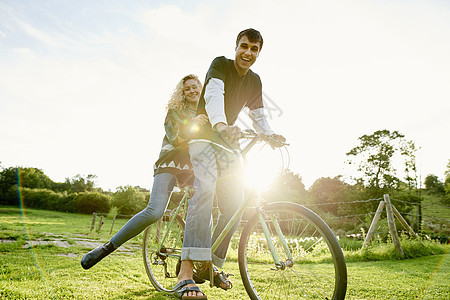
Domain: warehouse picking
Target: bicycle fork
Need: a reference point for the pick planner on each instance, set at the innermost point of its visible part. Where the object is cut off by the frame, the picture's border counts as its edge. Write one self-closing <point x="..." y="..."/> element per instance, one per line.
<point x="279" y="265"/>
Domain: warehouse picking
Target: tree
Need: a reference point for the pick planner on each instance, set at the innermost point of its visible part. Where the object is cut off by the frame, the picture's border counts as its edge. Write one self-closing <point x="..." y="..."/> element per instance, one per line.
<point x="327" y="192"/>
<point x="434" y="185"/>
<point x="446" y="199"/>
<point x="408" y="149"/>
<point x="375" y="156"/>
<point x="287" y="186"/>
<point x="447" y="179"/>
<point x="8" y="179"/>
<point x="32" y="178"/>
<point x="78" y="183"/>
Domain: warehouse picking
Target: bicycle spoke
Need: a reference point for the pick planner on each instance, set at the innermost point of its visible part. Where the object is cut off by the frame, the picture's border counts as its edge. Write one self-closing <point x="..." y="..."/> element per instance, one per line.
<point x="312" y="273"/>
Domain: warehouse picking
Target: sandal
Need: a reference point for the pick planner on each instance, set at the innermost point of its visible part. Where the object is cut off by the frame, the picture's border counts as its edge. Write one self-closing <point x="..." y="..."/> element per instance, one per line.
<point x="181" y="288"/>
<point x="220" y="278"/>
<point x="197" y="279"/>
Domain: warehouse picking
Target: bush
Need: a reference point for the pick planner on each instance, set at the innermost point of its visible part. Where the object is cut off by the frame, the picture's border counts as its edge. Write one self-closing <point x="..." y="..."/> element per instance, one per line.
<point x="350" y="244"/>
<point x="48" y="199"/>
<point x="113" y="212"/>
<point x="128" y="200"/>
<point x="89" y="202"/>
<point x="70" y="204"/>
<point x="10" y="196"/>
<point x="36" y="198"/>
<point x="86" y="202"/>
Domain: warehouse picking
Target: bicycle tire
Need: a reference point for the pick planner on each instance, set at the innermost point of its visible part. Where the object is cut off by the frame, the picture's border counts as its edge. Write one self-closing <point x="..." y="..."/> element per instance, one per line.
<point x="161" y="266"/>
<point x="318" y="270"/>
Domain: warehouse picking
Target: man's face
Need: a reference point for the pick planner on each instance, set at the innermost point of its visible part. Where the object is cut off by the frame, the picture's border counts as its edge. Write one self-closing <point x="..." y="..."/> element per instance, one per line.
<point x="246" y="54"/>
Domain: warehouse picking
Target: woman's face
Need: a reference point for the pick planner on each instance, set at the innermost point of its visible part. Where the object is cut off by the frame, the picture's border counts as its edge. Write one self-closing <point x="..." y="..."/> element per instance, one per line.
<point x="191" y="90"/>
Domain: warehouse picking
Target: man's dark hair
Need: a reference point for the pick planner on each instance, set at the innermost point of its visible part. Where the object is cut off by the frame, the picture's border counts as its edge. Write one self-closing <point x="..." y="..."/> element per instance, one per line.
<point x="253" y="36"/>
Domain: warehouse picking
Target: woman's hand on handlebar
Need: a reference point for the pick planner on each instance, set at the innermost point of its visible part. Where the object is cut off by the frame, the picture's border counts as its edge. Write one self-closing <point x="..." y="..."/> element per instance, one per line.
<point x="201" y="119"/>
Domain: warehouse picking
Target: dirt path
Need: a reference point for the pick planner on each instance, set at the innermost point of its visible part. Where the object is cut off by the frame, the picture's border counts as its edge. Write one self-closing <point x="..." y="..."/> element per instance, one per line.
<point x="67" y="242"/>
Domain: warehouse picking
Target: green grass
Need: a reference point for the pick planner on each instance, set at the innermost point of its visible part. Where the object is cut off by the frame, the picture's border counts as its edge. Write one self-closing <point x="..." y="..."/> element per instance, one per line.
<point x="46" y="272"/>
<point x="433" y="206"/>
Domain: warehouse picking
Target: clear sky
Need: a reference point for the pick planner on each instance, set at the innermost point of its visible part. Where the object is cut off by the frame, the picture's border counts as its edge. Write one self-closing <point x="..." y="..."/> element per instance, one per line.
<point x="83" y="84"/>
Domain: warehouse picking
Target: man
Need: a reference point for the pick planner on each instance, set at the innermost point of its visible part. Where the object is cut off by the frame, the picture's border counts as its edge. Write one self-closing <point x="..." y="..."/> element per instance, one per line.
<point x="229" y="86"/>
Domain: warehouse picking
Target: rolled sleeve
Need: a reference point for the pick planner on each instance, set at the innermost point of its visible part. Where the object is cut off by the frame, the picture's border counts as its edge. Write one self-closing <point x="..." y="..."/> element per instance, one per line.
<point x="214" y="101"/>
<point x="260" y="121"/>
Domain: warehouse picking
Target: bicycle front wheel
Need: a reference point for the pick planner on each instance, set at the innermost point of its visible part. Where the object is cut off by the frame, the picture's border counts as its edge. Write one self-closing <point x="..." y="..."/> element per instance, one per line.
<point x="161" y="250"/>
<point x="317" y="269"/>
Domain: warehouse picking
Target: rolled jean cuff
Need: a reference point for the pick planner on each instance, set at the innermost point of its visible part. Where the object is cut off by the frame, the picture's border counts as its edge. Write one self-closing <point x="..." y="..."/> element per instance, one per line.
<point x="217" y="261"/>
<point x="196" y="254"/>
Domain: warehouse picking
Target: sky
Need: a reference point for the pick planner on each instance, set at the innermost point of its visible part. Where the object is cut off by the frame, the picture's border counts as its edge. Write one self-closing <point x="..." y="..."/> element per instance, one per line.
<point x="84" y="84"/>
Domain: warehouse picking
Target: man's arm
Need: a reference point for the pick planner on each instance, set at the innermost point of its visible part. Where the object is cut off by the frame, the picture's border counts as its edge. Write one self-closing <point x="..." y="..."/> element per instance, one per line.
<point x="215" y="108"/>
<point x="259" y="120"/>
<point x="262" y="126"/>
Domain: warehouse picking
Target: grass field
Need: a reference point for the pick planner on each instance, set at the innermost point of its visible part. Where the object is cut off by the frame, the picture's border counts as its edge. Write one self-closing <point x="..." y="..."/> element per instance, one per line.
<point x="52" y="270"/>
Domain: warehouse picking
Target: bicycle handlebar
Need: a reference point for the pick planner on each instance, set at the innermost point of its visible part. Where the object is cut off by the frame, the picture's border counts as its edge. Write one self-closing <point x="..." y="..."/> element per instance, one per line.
<point x="270" y="139"/>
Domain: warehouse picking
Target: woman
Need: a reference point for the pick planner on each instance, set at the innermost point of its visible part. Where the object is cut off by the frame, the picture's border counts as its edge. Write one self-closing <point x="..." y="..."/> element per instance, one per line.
<point x="173" y="165"/>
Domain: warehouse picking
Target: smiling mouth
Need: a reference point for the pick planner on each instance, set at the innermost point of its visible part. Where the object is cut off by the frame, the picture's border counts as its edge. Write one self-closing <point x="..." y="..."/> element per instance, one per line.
<point x="246" y="59"/>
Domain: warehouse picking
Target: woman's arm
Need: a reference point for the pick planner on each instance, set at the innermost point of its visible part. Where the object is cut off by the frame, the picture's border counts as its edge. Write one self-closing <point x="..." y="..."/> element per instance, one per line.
<point x="179" y="128"/>
<point x="172" y="127"/>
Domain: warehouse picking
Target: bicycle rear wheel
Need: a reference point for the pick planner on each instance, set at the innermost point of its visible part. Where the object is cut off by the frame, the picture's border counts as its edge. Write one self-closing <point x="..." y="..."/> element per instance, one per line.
<point x="318" y="269"/>
<point x="161" y="265"/>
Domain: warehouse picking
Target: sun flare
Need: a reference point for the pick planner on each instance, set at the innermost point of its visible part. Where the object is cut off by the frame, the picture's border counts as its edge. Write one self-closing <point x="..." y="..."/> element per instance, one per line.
<point x="262" y="166"/>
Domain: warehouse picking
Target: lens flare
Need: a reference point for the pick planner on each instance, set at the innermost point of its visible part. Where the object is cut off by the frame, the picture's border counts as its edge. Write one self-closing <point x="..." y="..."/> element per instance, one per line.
<point x="194" y="128"/>
<point x="28" y="235"/>
<point x="262" y="167"/>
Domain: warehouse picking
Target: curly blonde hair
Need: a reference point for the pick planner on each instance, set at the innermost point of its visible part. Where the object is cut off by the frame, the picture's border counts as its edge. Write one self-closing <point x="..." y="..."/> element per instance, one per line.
<point x="177" y="100"/>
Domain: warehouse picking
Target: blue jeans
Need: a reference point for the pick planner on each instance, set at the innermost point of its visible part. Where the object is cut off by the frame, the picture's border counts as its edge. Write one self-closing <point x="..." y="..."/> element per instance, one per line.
<point x="219" y="172"/>
<point x="163" y="184"/>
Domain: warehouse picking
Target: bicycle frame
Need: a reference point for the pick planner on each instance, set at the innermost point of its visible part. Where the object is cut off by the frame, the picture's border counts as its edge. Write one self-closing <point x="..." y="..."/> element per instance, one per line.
<point x="236" y="217"/>
<point x="240" y="211"/>
<point x="183" y="201"/>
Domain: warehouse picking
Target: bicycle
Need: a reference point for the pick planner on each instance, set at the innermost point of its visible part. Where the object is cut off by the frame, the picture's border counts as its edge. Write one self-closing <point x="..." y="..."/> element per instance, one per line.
<point x="286" y="251"/>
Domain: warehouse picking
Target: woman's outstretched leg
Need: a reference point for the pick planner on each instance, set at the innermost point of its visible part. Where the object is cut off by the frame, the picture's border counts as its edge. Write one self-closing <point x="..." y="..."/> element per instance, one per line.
<point x="163" y="184"/>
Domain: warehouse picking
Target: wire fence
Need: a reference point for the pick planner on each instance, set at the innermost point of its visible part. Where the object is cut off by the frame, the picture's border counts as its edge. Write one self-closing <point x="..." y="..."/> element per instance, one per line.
<point x="346" y="202"/>
<point x="419" y="220"/>
<point x="414" y="217"/>
<point x="380" y="199"/>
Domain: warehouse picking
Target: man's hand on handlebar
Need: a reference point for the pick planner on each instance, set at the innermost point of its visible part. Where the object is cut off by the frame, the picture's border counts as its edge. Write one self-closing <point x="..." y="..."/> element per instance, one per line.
<point x="276" y="140"/>
<point x="230" y="133"/>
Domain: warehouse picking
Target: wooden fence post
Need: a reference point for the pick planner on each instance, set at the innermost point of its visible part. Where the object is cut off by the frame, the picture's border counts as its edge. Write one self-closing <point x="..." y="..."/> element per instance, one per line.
<point x="94" y="215"/>
<point x="100" y="223"/>
<point x="392" y="227"/>
<point x="375" y="220"/>
<point x="403" y="221"/>
<point x="114" y="220"/>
